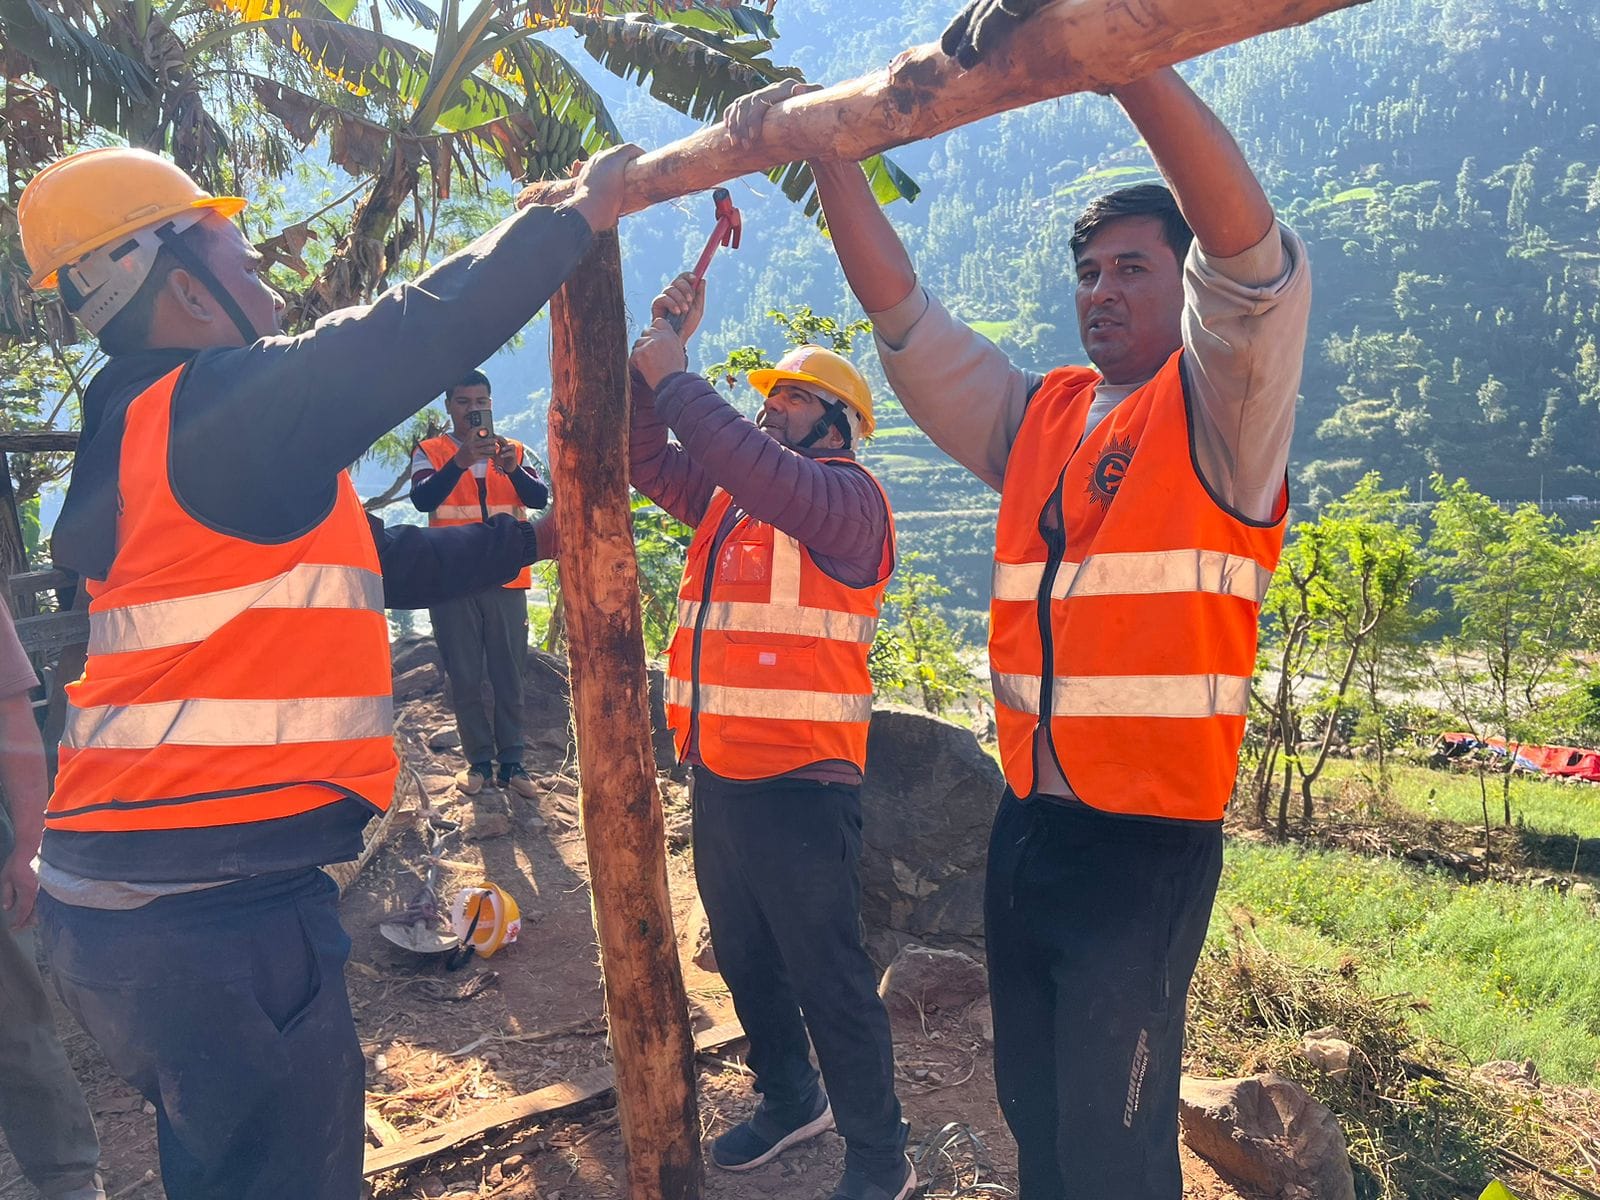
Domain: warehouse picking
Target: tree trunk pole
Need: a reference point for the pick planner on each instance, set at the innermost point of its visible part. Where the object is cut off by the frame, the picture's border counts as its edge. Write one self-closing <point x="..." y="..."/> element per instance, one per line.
<point x="1067" y="46"/>
<point x="622" y="824"/>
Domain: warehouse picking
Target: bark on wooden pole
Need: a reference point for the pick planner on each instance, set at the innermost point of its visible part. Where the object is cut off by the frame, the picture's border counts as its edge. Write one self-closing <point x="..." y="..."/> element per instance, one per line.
<point x="1067" y="46"/>
<point x="622" y="823"/>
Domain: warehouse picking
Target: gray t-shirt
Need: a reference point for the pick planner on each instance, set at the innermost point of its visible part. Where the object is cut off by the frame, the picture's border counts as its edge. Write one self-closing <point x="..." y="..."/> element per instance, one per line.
<point x="1244" y="334"/>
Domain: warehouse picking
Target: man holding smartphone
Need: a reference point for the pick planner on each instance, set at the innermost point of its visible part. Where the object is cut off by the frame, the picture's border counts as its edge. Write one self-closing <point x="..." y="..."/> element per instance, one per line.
<point x="459" y="478"/>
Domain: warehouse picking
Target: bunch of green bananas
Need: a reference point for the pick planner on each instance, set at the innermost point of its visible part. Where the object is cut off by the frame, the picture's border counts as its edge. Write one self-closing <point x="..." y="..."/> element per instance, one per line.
<point x="556" y="144"/>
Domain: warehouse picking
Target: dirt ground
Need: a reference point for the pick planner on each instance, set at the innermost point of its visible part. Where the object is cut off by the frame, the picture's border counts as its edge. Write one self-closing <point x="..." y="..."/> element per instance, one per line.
<point x="440" y="1045"/>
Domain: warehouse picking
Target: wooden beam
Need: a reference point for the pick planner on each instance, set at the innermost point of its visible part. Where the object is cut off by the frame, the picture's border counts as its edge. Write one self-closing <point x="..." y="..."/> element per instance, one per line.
<point x="646" y="1005"/>
<point x="1067" y="46"/>
<point x="51" y="631"/>
<point x="545" y="1102"/>
<point x="35" y="441"/>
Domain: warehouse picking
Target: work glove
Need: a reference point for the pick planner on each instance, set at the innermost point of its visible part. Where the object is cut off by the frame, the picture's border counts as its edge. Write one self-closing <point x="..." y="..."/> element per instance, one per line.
<point x="979" y="26"/>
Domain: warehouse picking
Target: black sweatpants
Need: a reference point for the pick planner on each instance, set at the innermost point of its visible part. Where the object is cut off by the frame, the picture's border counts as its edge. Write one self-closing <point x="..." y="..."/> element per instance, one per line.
<point x="1094" y="925"/>
<point x="227" y="1009"/>
<point x="776" y="864"/>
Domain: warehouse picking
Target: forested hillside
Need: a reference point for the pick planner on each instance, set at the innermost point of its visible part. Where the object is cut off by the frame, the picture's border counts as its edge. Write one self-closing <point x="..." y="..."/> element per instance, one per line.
<point x="1441" y="158"/>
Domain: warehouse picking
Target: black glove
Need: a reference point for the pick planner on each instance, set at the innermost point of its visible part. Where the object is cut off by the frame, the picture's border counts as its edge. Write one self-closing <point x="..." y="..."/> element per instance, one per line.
<point x="981" y="24"/>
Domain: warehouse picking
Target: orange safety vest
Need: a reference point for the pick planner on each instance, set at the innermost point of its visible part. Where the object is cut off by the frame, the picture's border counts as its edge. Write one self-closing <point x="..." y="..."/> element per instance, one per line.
<point x="768" y="665"/>
<point x="228" y="682"/>
<point x="466" y="505"/>
<point x="1129" y="629"/>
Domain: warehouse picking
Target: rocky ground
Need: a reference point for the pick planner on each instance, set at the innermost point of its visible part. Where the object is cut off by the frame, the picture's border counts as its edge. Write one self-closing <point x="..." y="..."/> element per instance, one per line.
<point x="442" y="1045"/>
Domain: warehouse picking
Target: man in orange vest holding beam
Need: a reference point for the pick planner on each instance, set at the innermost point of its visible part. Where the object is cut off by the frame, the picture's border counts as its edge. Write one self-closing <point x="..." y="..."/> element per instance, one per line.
<point x="769" y="698"/>
<point x="1142" y="508"/>
<point x="232" y="730"/>
<point x="461" y="478"/>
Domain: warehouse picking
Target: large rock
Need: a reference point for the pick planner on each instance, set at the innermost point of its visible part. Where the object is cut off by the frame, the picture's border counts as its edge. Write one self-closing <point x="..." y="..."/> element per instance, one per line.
<point x="696" y="939"/>
<point x="418" y="681"/>
<point x="924" y="981"/>
<point x="1267" y="1133"/>
<point x="927" y="805"/>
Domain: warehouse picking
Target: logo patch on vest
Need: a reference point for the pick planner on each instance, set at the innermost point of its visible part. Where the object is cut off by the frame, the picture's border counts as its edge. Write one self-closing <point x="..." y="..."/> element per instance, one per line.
<point x="1109" y="469"/>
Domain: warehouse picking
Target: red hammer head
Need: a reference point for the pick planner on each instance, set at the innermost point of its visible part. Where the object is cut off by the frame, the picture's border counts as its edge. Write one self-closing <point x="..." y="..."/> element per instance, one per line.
<point x="724" y="233"/>
<point x="728" y="218"/>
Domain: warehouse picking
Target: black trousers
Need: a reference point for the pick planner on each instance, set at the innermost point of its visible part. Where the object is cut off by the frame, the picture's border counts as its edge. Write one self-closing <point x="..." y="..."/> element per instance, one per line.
<point x="776" y="864"/>
<point x="227" y="1009"/>
<point x="1094" y="925"/>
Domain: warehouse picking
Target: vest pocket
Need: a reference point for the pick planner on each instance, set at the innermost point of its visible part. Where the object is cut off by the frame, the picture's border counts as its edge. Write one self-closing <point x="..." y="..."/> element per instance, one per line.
<point x="771" y="701"/>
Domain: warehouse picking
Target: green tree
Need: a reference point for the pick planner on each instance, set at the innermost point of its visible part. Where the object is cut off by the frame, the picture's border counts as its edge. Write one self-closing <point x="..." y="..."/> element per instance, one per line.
<point x="1520" y="594"/>
<point x="1337" y="609"/>
<point x="916" y="653"/>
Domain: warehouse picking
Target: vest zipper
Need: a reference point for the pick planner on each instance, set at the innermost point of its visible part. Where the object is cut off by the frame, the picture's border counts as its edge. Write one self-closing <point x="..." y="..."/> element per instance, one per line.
<point x="704" y="611"/>
<point x="1055" y="541"/>
<point x="483" y="497"/>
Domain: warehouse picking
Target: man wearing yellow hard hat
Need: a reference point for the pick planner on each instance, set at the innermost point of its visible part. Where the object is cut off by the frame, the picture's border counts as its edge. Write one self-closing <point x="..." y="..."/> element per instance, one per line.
<point x="769" y="699"/>
<point x="232" y="730"/>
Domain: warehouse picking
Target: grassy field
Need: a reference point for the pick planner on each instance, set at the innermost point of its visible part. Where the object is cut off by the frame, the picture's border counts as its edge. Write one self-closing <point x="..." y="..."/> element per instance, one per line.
<point x="1555" y="808"/>
<point x="1502" y="971"/>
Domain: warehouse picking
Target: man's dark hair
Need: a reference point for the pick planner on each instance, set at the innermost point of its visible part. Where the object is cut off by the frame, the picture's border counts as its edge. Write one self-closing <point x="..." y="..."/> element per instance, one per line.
<point x="1144" y="200"/>
<point x="129" y="331"/>
<point x="470" y="379"/>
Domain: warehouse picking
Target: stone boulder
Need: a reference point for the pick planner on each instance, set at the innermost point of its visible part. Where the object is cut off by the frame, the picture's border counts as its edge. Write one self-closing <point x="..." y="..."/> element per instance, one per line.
<point x="924" y="981"/>
<point x="1508" y="1073"/>
<point x="696" y="939"/>
<point x="1328" y="1050"/>
<point x="1267" y="1133"/>
<point x="420" y="680"/>
<point x="412" y="651"/>
<point x="929" y="800"/>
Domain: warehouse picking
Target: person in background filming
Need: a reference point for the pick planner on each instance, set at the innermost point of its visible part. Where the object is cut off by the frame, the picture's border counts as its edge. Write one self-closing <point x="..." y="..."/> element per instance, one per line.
<point x="458" y="478"/>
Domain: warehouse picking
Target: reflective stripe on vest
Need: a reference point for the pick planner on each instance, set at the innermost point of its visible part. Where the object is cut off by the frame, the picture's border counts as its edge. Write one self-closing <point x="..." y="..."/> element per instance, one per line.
<point x="1182" y="696"/>
<point x="773" y="704"/>
<point x="737" y="617"/>
<point x="229" y="722"/>
<point x="1138" y="574"/>
<point x="189" y="619"/>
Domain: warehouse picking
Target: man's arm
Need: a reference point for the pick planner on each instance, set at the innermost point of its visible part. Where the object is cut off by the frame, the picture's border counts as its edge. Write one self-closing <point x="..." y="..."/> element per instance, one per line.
<point x="658" y="469"/>
<point x="23" y="782"/>
<point x="1247" y="293"/>
<point x="955" y="384"/>
<point x="525" y="481"/>
<point x="427" y="566"/>
<point x="429" y="486"/>
<point x="332" y="391"/>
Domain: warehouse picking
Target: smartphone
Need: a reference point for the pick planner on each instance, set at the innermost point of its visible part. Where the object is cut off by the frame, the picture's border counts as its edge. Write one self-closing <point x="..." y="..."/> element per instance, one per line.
<point x="481" y="422"/>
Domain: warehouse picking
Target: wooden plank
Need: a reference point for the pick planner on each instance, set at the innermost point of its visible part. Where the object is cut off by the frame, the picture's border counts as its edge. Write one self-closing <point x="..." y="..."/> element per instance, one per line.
<point x="545" y="1102"/>
<point x="41" y="581"/>
<point x="35" y="441"/>
<point x="1066" y="46"/>
<point x="52" y="631"/>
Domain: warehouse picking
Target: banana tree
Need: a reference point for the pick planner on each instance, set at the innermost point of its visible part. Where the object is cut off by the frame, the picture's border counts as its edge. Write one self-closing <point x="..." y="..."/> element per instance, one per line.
<point x="493" y="93"/>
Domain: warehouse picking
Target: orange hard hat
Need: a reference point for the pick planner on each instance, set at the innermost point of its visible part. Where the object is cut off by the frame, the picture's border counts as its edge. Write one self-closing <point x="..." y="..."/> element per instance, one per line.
<point x="816" y="367"/>
<point x="81" y="203"/>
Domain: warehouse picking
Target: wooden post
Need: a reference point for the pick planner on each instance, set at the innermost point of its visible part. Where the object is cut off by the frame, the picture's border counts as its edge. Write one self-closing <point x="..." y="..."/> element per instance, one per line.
<point x="622" y="824"/>
<point x="1067" y="46"/>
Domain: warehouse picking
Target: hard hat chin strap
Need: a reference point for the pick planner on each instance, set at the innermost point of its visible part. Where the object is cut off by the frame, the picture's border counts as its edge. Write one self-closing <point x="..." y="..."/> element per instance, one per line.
<point x="172" y="239"/>
<point x="833" y="417"/>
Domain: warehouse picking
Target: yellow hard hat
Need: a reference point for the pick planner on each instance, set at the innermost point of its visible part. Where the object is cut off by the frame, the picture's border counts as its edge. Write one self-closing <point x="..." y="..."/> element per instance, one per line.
<point x="82" y="202"/>
<point x="831" y="372"/>
<point x="485" y="918"/>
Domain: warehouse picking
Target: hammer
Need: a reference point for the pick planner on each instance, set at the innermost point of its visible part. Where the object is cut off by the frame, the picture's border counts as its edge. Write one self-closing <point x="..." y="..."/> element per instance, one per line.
<point x="725" y="232"/>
